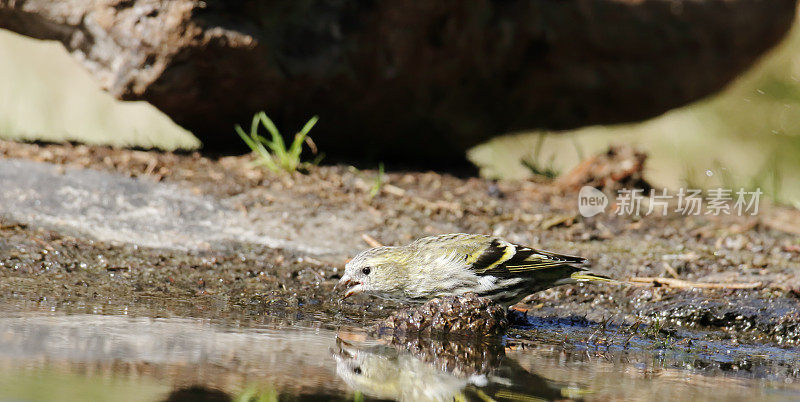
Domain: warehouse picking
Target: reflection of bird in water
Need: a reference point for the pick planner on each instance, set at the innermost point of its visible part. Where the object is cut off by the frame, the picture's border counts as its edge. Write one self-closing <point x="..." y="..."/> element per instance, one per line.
<point x="385" y="372"/>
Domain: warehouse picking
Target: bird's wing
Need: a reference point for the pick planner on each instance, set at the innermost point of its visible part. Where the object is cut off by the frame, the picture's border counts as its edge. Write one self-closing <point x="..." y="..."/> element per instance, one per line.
<point x="500" y="258"/>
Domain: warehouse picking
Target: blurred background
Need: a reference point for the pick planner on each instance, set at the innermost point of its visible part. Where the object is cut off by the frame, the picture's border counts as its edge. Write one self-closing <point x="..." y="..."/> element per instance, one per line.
<point x="745" y="133"/>
<point x="746" y="136"/>
<point x="182" y="266"/>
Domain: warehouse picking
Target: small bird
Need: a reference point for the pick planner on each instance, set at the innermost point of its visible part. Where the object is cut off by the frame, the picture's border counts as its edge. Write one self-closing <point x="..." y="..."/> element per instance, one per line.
<point x="459" y="263"/>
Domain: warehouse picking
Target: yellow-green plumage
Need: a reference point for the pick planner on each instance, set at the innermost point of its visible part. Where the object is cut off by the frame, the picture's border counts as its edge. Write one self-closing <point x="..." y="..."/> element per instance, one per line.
<point x="459" y="263"/>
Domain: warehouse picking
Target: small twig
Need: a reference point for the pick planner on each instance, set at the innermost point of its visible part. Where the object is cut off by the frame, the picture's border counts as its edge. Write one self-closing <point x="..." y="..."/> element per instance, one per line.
<point x="370" y="240"/>
<point x="312" y="261"/>
<point x="151" y="167"/>
<point x="602" y="326"/>
<point x="589" y="340"/>
<point x="671" y="270"/>
<point x="679" y="283"/>
<point x="394" y="190"/>
<point x="43" y="243"/>
<point x="635" y="328"/>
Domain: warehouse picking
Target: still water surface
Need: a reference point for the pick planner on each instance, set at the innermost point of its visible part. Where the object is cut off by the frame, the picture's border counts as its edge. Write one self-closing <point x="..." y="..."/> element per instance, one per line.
<point x="54" y="356"/>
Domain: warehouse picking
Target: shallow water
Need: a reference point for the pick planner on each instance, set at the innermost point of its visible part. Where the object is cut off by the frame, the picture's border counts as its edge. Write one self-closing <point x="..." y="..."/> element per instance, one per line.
<point x="131" y="358"/>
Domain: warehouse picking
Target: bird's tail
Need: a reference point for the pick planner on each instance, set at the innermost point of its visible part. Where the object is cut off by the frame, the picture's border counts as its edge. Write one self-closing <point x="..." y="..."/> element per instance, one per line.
<point x="583" y="276"/>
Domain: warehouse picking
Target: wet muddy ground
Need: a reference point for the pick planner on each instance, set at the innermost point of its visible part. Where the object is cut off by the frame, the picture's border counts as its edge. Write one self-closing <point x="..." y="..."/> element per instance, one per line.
<point x="724" y="332"/>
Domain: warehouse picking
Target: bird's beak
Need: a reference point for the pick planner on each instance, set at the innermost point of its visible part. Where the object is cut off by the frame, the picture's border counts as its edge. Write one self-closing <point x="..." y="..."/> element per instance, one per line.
<point x="348" y="286"/>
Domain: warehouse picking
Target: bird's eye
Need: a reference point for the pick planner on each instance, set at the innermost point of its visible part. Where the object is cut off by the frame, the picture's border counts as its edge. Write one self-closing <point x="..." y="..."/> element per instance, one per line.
<point x="366" y="270"/>
<point x="357" y="370"/>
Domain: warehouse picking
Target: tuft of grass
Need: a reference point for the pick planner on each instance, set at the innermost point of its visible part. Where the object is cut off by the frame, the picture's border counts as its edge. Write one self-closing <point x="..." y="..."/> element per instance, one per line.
<point x="690" y="177"/>
<point x="654" y="329"/>
<point x="272" y="153"/>
<point x="377" y="184"/>
<point x="725" y="176"/>
<point x="534" y="161"/>
<point x="768" y="178"/>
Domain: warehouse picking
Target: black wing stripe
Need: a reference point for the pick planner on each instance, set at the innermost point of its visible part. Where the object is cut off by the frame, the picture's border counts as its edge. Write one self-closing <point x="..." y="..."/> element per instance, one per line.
<point x="562" y="257"/>
<point x="520" y="256"/>
<point x="503" y="259"/>
<point x="493" y="253"/>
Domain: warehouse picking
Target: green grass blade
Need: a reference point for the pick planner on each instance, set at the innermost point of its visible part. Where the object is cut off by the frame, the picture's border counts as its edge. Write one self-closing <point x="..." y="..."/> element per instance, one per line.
<point x="309" y="125"/>
<point x="277" y="140"/>
<point x="378" y="183"/>
<point x="274" y="147"/>
<point x="247" y="140"/>
<point x="297" y="145"/>
<point x="257" y="148"/>
<point x="266" y="157"/>
<point x="254" y="126"/>
<point x="251" y="143"/>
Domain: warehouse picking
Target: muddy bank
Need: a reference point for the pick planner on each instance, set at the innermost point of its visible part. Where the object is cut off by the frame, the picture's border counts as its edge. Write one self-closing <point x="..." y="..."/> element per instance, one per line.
<point x="334" y="204"/>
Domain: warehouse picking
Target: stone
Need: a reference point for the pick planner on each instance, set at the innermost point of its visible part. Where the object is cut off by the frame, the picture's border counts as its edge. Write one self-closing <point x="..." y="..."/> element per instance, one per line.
<point x="413" y="81"/>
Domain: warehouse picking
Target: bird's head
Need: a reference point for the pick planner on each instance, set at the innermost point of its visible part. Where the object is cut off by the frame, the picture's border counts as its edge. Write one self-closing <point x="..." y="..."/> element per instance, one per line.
<point x="378" y="271"/>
